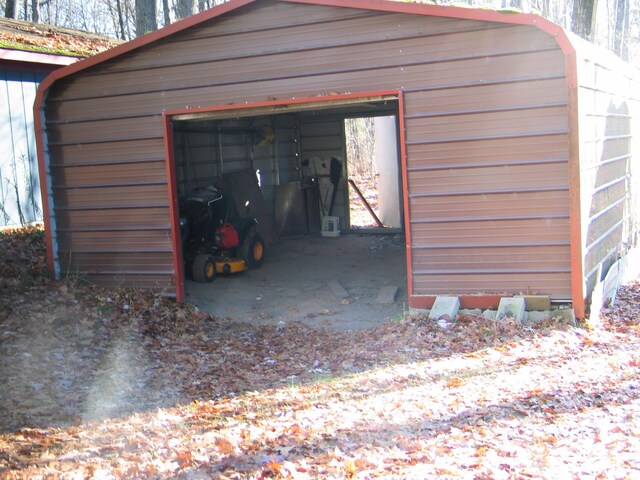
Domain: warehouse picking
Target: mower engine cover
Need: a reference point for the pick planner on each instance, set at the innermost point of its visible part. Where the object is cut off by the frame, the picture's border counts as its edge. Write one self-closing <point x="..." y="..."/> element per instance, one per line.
<point x="227" y="236"/>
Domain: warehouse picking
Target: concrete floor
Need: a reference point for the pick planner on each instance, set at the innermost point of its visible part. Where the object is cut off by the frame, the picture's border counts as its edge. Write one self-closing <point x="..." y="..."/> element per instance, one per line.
<point x="292" y="284"/>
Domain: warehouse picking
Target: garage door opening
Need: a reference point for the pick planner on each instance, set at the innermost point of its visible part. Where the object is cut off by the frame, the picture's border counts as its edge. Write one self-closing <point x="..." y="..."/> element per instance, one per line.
<point x="276" y="166"/>
<point x="373" y="172"/>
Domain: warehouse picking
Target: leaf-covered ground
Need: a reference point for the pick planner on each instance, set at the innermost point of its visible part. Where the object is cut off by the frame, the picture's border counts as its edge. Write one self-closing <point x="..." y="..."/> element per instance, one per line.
<point x="99" y="384"/>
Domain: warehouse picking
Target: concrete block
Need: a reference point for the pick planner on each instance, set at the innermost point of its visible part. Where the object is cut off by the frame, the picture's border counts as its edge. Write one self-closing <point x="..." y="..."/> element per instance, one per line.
<point x="569" y="316"/>
<point x="387" y="295"/>
<point x="489" y="314"/>
<point x="444" y="307"/>
<point x="513" y="307"/>
<point x="538" y="303"/>
<point x="337" y="289"/>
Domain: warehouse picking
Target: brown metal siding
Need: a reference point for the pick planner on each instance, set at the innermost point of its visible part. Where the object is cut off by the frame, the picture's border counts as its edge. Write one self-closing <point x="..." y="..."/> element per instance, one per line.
<point x="485" y="127"/>
<point x="609" y="104"/>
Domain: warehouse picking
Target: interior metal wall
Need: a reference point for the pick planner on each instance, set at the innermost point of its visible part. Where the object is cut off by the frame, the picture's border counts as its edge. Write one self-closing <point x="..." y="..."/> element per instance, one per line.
<point x="486" y="131"/>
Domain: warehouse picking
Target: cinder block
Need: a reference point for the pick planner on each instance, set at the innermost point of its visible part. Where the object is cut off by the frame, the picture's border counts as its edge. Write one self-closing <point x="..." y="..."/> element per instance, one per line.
<point x="569" y="314"/>
<point x="538" y="303"/>
<point x="387" y="295"/>
<point x="513" y="307"/>
<point x="337" y="289"/>
<point x="444" y="307"/>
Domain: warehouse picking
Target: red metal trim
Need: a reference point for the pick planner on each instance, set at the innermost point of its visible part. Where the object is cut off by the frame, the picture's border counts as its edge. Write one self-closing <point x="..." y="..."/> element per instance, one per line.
<point x="283" y="102"/>
<point x="171" y="175"/>
<point x="44" y="187"/>
<point x="174" y="209"/>
<point x="575" y="215"/>
<point x="404" y="169"/>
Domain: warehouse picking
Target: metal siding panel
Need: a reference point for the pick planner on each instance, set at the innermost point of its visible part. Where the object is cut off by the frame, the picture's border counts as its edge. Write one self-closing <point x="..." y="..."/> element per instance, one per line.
<point x="308" y="83"/>
<point x="610" y="178"/>
<point x="480" y="125"/>
<point x="107" y="153"/>
<point x="19" y="180"/>
<point x="449" y="66"/>
<point x="122" y="241"/>
<point x="510" y="178"/>
<point x="131" y="196"/>
<point x="505" y="233"/>
<point x="512" y="204"/>
<point x="121" y="261"/>
<point x="525" y="258"/>
<point x="556" y="285"/>
<point x="113" y="219"/>
<point x="103" y="175"/>
<point x="497" y="151"/>
<point x="261" y="57"/>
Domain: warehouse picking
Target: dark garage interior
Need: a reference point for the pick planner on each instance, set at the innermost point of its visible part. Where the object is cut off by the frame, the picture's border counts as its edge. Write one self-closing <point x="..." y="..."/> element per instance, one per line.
<point x="318" y="266"/>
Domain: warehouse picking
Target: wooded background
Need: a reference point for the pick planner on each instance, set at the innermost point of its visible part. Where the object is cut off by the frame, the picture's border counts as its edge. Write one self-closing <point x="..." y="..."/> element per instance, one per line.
<point x="613" y="24"/>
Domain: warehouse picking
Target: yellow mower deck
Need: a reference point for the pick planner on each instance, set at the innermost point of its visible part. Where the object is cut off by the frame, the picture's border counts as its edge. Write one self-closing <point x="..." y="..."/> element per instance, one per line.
<point x="230" y="265"/>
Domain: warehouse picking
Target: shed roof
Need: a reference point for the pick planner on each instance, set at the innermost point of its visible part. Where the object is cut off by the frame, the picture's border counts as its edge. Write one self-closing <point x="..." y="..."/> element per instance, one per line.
<point x="41" y="43"/>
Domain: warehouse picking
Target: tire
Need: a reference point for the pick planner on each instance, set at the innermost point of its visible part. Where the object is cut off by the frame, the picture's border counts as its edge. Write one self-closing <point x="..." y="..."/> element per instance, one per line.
<point x="203" y="268"/>
<point x="252" y="249"/>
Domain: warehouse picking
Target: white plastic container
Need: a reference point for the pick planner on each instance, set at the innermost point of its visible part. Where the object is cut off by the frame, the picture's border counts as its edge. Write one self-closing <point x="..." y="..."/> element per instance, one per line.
<point x="330" y="226"/>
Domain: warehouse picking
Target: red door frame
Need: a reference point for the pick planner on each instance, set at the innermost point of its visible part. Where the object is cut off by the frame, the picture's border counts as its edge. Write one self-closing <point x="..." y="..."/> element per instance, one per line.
<point x="174" y="211"/>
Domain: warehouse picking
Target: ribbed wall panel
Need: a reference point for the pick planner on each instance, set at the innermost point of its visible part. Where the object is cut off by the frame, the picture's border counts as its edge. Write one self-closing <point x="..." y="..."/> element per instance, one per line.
<point x="122" y="241"/>
<point x="486" y="126"/>
<point x="609" y="107"/>
<point x="498" y="151"/>
<point x="122" y="261"/>
<point x="102" y="175"/>
<point x="506" y="233"/>
<point x="257" y="87"/>
<point x="107" y="153"/>
<point x="488" y="179"/>
<point x="519" y="282"/>
<point x="113" y="219"/>
<point x="454" y="208"/>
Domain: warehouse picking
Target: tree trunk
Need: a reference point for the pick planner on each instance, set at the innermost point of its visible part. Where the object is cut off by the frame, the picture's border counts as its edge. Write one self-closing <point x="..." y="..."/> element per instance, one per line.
<point x="120" y="19"/>
<point x="165" y="11"/>
<point x="10" y="10"/>
<point x="35" y="15"/>
<point x="621" y="34"/>
<point x="145" y="17"/>
<point x="185" y="8"/>
<point x="583" y="11"/>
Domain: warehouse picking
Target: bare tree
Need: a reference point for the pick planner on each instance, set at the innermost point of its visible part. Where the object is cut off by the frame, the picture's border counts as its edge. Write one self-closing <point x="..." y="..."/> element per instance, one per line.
<point x="166" y="11"/>
<point x="621" y="32"/>
<point x="583" y="17"/>
<point x="145" y="17"/>
<point x="185" y="8"/>
<point x="120" y="18"/>
<point x="10" y="10"/>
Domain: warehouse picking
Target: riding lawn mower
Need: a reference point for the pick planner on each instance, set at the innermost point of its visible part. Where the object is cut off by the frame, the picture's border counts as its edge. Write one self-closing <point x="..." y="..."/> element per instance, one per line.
<point x="216" y="239"/>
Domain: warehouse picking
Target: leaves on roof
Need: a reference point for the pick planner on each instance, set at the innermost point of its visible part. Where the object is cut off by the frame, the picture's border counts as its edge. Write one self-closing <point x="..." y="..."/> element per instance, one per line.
<point x="18" y="35"/>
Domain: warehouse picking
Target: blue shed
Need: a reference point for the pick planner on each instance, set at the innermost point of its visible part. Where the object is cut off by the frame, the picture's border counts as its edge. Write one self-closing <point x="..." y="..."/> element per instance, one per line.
<point x="28" y="53"/>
